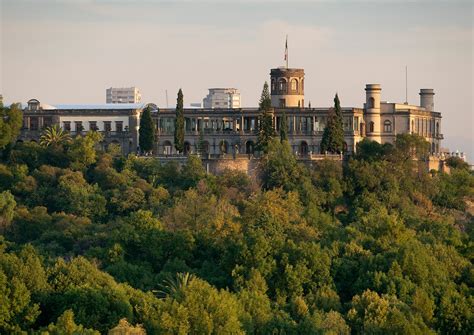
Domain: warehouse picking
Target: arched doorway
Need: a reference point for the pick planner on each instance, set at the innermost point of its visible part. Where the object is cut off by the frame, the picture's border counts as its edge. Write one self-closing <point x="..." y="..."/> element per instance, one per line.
<point x="249" y="147"/>
<point x="303" y="148"/>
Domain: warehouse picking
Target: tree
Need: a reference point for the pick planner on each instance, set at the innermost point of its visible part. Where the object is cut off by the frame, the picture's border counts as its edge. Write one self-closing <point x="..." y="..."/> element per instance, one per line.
<point x="283" y="127"/>
<point x="54" y="136"/>
<point x="7" y="208"/>
<point x="147" y="131"/>
<point x="82" y="152"/>
<point x="457" y="163"/>
<point x="179" y="124"/>
<point x="10" y="123"/>
<point x="65" y="325"/>
<point x="265" y="130"/>
<point x="333" y="135"/>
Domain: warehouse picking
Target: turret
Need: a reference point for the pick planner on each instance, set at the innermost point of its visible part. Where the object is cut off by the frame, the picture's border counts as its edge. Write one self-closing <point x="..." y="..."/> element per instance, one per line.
<point x="372" y="111"/>
<point x="287" y="87"/>
<point x="427" y="99"/>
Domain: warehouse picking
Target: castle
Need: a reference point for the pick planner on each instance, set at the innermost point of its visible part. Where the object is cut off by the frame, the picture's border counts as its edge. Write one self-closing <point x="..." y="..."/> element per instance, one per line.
<point x="234" y="131"/>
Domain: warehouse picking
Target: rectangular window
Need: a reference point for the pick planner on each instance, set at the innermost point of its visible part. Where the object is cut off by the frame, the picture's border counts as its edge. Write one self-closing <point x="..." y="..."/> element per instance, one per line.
<point x="119" y="126"/>
<point x="67" y="125"/>
<point x="33" y="123"/>
<point x="79" y="127"/>
<point x="93" y="125"/>
<point x="107" y="126"/>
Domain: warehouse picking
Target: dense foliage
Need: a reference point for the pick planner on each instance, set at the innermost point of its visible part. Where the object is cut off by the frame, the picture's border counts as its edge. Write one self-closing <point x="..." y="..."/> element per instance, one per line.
<point x="266" y="131"/>
<point x="179" y="123"/>
<point x="147" y="131"/>
<point x="333" y="135"/>
<point x="10" y="123"/>
<point x="376" y="245"/>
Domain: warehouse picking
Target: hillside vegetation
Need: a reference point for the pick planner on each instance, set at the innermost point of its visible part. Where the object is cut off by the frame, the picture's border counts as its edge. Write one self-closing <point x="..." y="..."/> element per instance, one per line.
<point x="377" y="246"/>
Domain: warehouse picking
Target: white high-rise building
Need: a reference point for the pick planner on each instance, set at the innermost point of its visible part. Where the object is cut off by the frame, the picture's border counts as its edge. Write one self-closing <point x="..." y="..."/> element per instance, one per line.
<point x="222" y="98"/>
<point x="123" y="95"/>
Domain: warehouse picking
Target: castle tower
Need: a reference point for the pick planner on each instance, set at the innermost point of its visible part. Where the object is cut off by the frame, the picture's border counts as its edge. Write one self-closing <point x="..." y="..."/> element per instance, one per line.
<point x="287" y="87"/>
<point x="427" y="99"/>
<point x="372" y="111"/>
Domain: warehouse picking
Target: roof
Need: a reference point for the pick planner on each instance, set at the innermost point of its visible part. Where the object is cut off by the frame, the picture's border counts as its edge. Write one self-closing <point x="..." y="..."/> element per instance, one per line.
<point x="100" y="106"/>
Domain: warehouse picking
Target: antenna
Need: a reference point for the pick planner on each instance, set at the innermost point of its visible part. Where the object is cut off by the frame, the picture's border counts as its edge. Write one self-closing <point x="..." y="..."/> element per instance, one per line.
<point x="406" y="85"/>
<point x="166" y="92"/>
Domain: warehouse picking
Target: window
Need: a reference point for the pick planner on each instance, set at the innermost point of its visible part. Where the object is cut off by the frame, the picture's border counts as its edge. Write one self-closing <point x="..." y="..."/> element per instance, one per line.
<point x="47" y="121"/>
<point x="294" y="85"/>
<point x="371" y="103"/>
<point x="371" y="127"/>
<point x="356" y="123"/>
<point x="273" y="85"/>
<point x="107" y="126"/>
<point x="67" y="125"/>
<point x="79" y="127"/>
<point x="119" y="126"/>
<point x="282" y="103"/>
<point x="387" y="126"/>
<point x="282" y="85"/>
<point x="93" y="125"/>
<point x="33" y="123"/>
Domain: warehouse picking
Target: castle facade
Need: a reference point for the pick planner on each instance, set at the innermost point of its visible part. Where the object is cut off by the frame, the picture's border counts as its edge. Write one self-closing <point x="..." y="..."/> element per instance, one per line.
<point x="234" y="130"/>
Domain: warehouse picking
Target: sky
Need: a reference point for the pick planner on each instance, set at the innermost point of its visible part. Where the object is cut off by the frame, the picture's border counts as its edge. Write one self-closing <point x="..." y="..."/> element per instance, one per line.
<point x="70" y="51"/>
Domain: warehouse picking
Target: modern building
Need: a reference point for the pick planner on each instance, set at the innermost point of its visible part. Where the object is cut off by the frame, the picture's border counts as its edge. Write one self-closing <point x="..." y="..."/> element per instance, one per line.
<point x="227" y="130"/>
<point x="123" y="95"/>
<point x="222" y="98"/>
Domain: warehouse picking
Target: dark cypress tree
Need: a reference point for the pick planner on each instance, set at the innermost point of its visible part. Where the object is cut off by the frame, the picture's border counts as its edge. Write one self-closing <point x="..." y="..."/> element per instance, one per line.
<point x="283" y="127"/>
<point x="146" y="132"/>
<point x="266" y="130"/>
<point x="179" y="123"/>
<point x="333" y="135"/>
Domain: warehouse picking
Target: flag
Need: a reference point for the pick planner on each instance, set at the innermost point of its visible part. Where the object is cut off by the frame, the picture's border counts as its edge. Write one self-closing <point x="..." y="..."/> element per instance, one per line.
<point x="286" y="48"/>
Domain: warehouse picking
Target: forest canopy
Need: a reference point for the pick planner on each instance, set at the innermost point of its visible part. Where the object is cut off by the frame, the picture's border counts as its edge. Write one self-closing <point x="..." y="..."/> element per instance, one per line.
<point x="92" y="240"/>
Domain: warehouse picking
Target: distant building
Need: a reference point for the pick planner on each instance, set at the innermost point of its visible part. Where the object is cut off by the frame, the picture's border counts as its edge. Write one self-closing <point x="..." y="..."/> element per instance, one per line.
<point x="123" y="95"/>
<point x="222" y="128"/>
<point x="196" y="104"/>
<point x="222" y="98"/>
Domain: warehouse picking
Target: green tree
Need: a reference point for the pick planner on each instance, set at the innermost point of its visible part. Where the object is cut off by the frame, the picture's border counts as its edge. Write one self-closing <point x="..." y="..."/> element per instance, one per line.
<point x="265" y="131"/>
<point x="457" y="163"/>
<point x="54" y="136"/>
<point x="333" y="135"/>
<point x="65" y="325"/>
<point x="10" y="124"/>
<point x="82" y="151"/>
<point x="7" y="208"/>
<point x="283" y="127"/>
<point x="147" y="131"/>
<point x="179" y="123"/>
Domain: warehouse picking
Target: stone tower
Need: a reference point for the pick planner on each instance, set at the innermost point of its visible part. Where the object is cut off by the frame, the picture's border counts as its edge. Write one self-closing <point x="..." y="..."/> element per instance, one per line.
<point x="287" y="87"/>
<point x="372" y="111"/>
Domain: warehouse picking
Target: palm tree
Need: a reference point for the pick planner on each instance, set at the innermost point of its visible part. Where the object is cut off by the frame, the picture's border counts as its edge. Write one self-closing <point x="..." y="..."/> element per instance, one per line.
<point x="54" y="135"/>
<point x="173" y="287"/>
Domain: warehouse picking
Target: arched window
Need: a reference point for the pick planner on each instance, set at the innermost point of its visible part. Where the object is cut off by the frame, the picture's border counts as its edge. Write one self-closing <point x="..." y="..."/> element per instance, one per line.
<point x="371" y="127"/>
<point x="371" y="102"/>
<point x="437" y="128"/>
<point x="387" y="126"/>
<point x="294" y="85"/>
<point x="282" y="85"/>
<point x="273" y="85"/>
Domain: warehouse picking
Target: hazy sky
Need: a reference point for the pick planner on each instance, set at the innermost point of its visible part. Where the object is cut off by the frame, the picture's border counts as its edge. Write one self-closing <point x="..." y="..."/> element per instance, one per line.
<point x="70" y="51"/>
